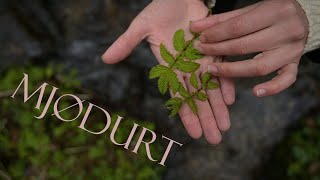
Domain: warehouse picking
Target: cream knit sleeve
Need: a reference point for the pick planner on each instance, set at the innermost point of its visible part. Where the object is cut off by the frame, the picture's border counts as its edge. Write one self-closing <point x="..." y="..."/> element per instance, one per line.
<point x="312" y="10"/>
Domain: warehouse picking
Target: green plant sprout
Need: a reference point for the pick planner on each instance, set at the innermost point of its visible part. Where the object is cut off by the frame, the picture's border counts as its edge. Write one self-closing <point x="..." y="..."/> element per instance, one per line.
<point x="183" y="61"/>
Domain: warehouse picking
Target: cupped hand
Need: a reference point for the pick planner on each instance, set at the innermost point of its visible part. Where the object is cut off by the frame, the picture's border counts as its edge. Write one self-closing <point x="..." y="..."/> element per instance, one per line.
<point x="157" y="23"/>
<point x="276" y="29"/>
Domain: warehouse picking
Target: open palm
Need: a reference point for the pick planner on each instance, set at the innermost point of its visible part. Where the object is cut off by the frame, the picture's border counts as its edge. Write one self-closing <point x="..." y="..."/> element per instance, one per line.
<point x="157" y="23"/>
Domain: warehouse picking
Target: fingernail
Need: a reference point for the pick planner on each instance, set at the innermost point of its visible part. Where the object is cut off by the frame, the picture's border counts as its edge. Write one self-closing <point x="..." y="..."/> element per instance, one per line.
<point x="212" y="69"/>
<point x="261" y="92"/>
<point x="202" y="38"/>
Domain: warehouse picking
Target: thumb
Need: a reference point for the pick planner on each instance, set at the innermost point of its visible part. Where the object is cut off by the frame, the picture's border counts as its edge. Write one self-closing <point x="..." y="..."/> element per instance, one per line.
<point x="125" y="44"/>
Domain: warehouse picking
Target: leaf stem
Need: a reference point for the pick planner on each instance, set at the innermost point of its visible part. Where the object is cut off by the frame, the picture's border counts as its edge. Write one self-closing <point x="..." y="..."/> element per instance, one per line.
<point x="197" y="91"/>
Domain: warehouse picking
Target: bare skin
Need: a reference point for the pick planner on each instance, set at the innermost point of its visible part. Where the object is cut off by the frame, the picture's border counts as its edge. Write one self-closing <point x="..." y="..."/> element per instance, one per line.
<point x="157" y="24"/>
<point x="277" y="29"/>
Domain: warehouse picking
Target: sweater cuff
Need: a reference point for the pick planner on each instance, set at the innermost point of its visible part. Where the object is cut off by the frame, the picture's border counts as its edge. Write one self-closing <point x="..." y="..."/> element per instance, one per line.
<point x="312" y="10"/>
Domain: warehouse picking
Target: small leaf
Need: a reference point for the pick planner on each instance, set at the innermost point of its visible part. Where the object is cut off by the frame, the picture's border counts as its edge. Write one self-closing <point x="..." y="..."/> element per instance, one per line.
<point x="174" y="101"/>
<point x="212" y="85"/>
<point x="174" y="112"/>
<point x="206" y="78"/>
<point x="179" y="41"/>
<point x="194" y="80"/>
<point x="174" y="104"/>
<point x="183" y="92"/>
<point x="173" y="81"/>
<point x="163" y="84"/>
<point x="201" y="96"/>
<point x="166" y="55"/>
<point x="193" y="106"/>
<point x="193" y="54"/>
<point x="158" y="71"/>
<point x="186" y="66"/>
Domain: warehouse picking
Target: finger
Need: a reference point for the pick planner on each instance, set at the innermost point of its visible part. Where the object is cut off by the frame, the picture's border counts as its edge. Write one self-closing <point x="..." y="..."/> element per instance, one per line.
<point x="125" y="44"/>
<point x="206" y="116"/>
<point x="203" y="24"/>
<point x="190" y="121"/>
<point x="284" y="80"/>
<point x="257" y="19"/>
<point x="261" y="65"/>
<point x="227" y="89"/>
<point x="257" y="42"/>
<point x="219" y="108"/>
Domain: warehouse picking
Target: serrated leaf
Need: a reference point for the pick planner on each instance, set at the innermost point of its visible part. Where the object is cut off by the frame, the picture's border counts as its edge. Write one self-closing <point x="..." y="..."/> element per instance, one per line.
<point x="212" y="85"/>
<point x="194" y="80"/>
<point x="166" y="55"/>
<point x="206" y="78"/>
<point x="174" y="101"/>
<point x="193" y="106"/>
<point x="201" y="96"/>
<point x="183" y="92"/>
<point x="179" y="41"/>
<point x="186" y="66"/>
<point x="174" y="112"/>
<point x="163" y="84"/>
<point x="193" y="54"/>
<point x="173" y="81"/>
<point x="174" y="104"/>
<point x="158" y="71"/>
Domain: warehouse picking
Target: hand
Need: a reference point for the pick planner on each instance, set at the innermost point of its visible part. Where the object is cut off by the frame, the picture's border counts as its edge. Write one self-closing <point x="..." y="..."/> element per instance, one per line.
<point x="157" y="23"/>
<point x="277" y="29"/>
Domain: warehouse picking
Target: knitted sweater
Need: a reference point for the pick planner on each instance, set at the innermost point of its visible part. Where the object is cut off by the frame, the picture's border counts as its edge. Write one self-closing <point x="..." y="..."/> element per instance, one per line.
<point x="312" y="10"/>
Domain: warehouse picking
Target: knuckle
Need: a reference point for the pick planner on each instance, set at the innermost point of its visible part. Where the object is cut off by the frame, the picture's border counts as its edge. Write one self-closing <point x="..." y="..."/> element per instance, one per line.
<point x="289" y="7"/>
<point x="262" y="69"/>
<point x="240" y="48"/>
<point x="237" y="27"/>
<point x="299" y="31"/>
<point x="211" y="50"/>
<point x="224" y="70"/>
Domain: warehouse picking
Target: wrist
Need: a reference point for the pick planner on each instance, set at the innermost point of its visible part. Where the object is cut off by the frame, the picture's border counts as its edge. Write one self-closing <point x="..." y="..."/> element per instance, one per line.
<point x="311" y="9"/>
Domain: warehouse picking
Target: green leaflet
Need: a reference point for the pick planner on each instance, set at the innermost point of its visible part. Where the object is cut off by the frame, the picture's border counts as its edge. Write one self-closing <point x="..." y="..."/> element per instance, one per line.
<point x="194" y="80"/>
<point x="166" y="55"/>
<point x="174" y="82"/>
<point x="193" y="106"/>
<point x="212" y="85"/>
<point x="206" y="78"/>
<point x="181" y="61"/>
<point x="158" y="71"/>
<point x="174" y="104"/>
<point x="166" y="78"/>
<point x="179" y="42"/>
<point x="183" y="92"/>
<point x="201" y="96"/>
<point x="193" y="54"/>
<point x="186" y="66"/>
<point x="163" y="84"/>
